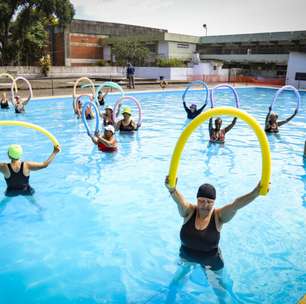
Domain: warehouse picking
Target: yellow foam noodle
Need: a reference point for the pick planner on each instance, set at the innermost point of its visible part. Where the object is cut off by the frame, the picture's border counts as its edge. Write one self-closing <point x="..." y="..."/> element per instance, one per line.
<point x="30" y="126"/>
<point x="227" y="111"/>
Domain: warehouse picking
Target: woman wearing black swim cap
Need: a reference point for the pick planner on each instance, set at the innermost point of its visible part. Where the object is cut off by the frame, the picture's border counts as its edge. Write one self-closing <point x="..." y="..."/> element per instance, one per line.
<point x="200" y="233"/>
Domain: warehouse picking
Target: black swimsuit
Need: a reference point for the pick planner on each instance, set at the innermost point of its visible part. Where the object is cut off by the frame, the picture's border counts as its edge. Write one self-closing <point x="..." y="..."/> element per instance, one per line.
<point x="5" y="105"/>
<point x="19" y="110"/>
<point x="128" y="128"/>
<point x="201" y="246"/>
<point x="18" y="183"/>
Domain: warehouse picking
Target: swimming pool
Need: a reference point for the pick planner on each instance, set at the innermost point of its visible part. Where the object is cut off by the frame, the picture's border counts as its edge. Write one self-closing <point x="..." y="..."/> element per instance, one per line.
<point x="103" y="229"/>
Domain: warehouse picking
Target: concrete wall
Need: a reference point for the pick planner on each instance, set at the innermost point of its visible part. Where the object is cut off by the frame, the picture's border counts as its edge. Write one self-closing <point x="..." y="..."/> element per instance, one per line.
<point x="273" y="58"/>
<point x="113" y="72"/>
<point x="296" y="64"/>
<point x="167" y="73"/>
<point x="163" y="49"/>
<point x="181" y="50"/>
<point x="64" y="71"/>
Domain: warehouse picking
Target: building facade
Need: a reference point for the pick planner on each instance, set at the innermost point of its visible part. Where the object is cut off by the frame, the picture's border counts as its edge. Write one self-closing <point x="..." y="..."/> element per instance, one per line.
<point x="87" y="43"/>
<point x="83" y="43"/>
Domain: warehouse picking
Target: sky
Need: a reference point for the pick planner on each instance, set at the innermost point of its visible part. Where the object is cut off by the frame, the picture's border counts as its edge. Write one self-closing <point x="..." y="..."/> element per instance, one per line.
<point x="222" y="17"/>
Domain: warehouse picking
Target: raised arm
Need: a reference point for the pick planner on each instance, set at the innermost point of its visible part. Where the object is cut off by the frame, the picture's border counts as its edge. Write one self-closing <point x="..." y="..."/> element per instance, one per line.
<point x="288" y="119"/>
<point x="210" y="127"/>
<point x="185" y="107"/>
<point x="201" y="109"/>
<point x="118" y="111"/>
<point x="33" y="166"/>
<point x="227" y="212"/>
<point x="183" y="206"/>
<point x="226" y="129"/>
<point x="26" y="101"/>
<point x="267" y="124"/>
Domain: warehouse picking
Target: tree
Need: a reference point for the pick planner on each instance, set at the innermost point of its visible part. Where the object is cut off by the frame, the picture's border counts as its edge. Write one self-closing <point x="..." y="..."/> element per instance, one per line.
<point x="130" y="50"/>
<point x="24" y="24"/>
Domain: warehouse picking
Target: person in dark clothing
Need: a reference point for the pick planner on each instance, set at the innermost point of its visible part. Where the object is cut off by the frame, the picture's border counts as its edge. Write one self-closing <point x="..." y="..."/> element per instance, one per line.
<point x="17" y="173"/>
<point x="130" y="71"/>
<point x="200" y="234"/>
<point x="102" y="96"/>
<point x="271" y="123"/>
<point x="20" y="104"/>
<point x="127" y="124"/>
<point x="192" y="111"/>
<point x="4" y="102"/>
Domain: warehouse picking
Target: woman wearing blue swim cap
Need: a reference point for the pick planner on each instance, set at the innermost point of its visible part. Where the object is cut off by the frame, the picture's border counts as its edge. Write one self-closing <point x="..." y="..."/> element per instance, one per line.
<point x="17" y="172"/>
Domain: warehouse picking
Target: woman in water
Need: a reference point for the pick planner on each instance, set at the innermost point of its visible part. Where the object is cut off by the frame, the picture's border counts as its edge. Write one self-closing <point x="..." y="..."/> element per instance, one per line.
<point x="89" y="113"/>
<point x="107" y="142"/>
<point x="17" y="172"/>
<point x="271" y="123"/>
<point x="101" y="97"/>
<point x="108" y="116"/>
<point x="78" y="108"/>
<point x="127" y="124"/>
<point x="4" y="102"/>
<point x="192" y="111"/>
<point x="200" y="232"/>
<point x="217" y="135"/>
<point x="20" y="104"/>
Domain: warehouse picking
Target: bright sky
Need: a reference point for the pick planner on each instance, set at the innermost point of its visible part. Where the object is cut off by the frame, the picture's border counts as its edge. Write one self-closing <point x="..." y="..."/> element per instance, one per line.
<point x="187" y="17"/>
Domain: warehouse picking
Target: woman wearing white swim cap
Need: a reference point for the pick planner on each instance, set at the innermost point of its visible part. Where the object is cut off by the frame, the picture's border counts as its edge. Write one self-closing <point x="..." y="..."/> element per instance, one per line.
<point x="107" y="142"/>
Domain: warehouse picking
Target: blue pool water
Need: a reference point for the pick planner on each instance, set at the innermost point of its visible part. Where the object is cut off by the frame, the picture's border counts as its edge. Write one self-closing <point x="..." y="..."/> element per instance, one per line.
<point x="101" y="228"/>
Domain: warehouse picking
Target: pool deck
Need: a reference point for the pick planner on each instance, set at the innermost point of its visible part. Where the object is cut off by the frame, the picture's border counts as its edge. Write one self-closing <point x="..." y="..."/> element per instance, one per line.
<point x="67" y="92"/>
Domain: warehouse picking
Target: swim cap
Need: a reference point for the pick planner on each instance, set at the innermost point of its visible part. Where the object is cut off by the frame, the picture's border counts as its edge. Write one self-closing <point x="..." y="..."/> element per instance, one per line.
<point x="15" y="151"/>
<point x="207" y="190"/>
<point x="127" y="110"/>
<point x="108" y="107"/>
<point x="110" y="128"/>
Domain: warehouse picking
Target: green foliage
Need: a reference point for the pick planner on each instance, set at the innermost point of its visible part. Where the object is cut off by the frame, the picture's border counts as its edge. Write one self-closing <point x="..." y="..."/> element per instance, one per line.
<point x="130" y="50"/>
<point x="172" y="62"/>
<point x="102" y="62"/>
<point x="45" y="64"/>
<point x="24" y="28"/>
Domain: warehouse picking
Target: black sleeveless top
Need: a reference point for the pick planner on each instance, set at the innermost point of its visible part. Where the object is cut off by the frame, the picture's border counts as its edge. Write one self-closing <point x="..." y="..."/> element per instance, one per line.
<point x="4" y="105"/>
<point x="18" y="183"/>
<point x="128" y="128"/>
<point x="206" y="240"/>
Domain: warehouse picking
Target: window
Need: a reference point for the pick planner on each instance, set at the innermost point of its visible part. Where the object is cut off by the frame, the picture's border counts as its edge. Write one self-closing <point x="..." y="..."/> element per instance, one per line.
<point x="183" y="46"/>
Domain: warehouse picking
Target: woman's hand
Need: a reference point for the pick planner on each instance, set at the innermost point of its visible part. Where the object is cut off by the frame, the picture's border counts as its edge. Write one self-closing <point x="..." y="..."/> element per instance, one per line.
<point x="171" y="189"/>
<point x="56" y="149"/>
